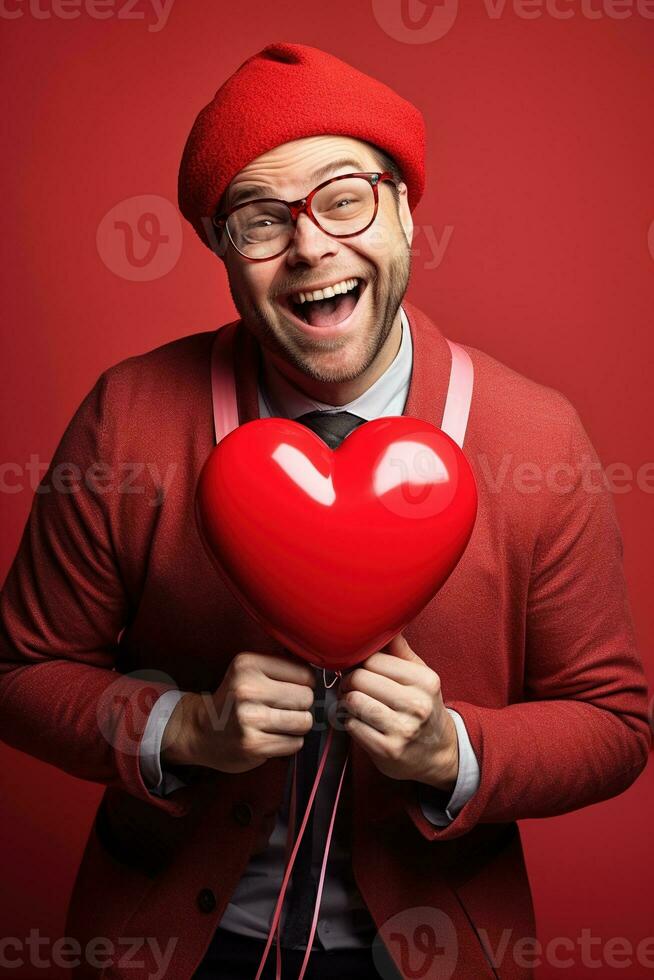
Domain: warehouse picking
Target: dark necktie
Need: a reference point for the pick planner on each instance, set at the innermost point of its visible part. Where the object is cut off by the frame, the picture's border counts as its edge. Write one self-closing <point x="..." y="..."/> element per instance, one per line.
<point x="332" y="427"/>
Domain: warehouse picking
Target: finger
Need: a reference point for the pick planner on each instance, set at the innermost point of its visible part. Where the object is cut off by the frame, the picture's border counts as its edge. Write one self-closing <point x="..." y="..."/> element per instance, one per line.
<point x="369" y="738"/>
<point x="365" y="708"/>
<point x="282" y="667"/>
<point x="281" y="721"/>
<point x="276" y="745"/>
<point x="284" y="694"/>
<point x="399" y="647"/>
<point x="384" y="689"/>
<point x="398" y="669"/>
<point x="412" y="700"/>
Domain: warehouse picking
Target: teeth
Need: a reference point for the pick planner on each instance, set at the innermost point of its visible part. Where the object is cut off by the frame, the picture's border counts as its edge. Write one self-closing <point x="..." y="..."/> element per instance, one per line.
<point x="337" y="288"/>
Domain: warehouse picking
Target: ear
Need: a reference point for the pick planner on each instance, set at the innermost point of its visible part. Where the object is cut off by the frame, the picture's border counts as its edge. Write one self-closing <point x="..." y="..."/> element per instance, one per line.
<point x="404" y="211"/>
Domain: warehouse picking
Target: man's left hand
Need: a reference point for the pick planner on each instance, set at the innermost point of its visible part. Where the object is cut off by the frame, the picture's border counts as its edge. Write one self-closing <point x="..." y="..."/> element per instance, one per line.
<point x="393" y="707"/>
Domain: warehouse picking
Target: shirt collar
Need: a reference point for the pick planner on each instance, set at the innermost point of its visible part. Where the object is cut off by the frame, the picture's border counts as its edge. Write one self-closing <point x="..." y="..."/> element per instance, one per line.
<point x="386" y="396"/>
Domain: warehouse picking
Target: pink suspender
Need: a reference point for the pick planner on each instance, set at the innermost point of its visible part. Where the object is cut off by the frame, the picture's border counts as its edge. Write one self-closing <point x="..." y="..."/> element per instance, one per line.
<point x="459" y="395"/>
<point x="223" y="389"/>
<point x="223" y="384"/>
<point x="225" y="419"/>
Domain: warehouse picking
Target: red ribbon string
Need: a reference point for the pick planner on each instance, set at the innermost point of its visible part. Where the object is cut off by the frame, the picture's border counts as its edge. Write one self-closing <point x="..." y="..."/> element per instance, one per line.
<point x="276" y="920"/>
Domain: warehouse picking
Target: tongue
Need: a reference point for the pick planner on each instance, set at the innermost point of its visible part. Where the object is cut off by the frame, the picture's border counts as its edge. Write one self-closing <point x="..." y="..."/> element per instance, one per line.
<point x="328" y="312"/>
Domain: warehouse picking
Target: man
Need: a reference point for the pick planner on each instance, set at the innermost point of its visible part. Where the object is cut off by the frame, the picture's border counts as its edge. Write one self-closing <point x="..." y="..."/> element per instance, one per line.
<point x="517" y="692"/>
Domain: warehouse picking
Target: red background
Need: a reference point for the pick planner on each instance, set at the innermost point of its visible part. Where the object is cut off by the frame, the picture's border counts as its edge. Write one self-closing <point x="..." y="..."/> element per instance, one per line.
<point x="540" y="160"/>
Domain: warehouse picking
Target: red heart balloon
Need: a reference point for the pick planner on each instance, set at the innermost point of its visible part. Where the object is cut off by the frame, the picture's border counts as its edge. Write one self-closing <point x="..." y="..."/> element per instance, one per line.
<point x="334" y="552"/>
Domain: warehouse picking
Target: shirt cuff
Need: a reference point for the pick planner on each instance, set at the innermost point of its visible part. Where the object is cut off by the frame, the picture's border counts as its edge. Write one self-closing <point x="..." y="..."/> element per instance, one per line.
<point x="159" y="782"/>
<point x="466" y="785"/>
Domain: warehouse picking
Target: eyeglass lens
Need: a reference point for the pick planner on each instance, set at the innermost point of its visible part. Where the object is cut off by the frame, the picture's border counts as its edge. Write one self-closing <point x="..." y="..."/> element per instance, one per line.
<point x="342" y="207"/>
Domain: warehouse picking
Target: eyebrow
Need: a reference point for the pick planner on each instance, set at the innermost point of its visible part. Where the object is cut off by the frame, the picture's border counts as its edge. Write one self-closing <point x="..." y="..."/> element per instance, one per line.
<point x="252" y="191"/>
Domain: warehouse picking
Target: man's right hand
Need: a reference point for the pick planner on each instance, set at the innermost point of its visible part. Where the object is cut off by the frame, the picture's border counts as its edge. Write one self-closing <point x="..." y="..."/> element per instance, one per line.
<point x="262" y="709"/>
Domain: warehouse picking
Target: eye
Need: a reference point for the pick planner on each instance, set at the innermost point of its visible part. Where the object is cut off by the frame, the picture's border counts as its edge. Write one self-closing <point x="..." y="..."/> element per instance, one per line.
<point x="262" y="222"/>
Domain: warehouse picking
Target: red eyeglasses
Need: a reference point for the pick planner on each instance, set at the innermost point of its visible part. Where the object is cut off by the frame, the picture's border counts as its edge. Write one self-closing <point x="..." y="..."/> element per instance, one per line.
<point x="342" y="207"/>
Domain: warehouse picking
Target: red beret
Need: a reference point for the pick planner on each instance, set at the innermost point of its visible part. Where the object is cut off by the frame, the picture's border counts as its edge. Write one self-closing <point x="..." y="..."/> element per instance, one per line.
<point x="284" y="93"/>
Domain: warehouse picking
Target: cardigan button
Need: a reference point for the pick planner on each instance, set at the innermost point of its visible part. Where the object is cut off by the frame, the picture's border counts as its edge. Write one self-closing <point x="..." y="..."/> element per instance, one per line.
<point x="242" y="813"/>
<point x="206" y="900"/>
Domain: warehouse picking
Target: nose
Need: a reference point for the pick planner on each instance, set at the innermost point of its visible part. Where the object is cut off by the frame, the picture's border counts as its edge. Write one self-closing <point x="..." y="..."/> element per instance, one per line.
<point x="309" y="244"/>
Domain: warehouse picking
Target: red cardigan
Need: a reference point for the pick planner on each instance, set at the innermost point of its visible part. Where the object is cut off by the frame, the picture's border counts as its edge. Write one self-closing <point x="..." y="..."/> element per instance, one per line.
<point x="531" y="637"/>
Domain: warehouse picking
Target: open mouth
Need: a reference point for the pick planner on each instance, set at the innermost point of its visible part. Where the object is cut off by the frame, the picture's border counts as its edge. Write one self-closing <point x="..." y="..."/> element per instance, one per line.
<point x="326" y="307"/>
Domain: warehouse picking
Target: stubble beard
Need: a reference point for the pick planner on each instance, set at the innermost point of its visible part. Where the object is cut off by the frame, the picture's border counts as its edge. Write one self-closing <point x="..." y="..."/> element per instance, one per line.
<point x="309" y="356"/>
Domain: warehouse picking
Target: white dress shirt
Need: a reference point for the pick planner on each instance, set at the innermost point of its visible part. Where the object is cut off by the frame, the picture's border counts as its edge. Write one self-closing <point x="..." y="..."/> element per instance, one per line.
<point x="344" y="919"/>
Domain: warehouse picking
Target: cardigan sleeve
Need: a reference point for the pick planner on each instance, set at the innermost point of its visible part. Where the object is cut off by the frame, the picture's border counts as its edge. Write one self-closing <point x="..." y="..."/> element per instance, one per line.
<point x="62" y="609"/>
<point x="580" y="734"/>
